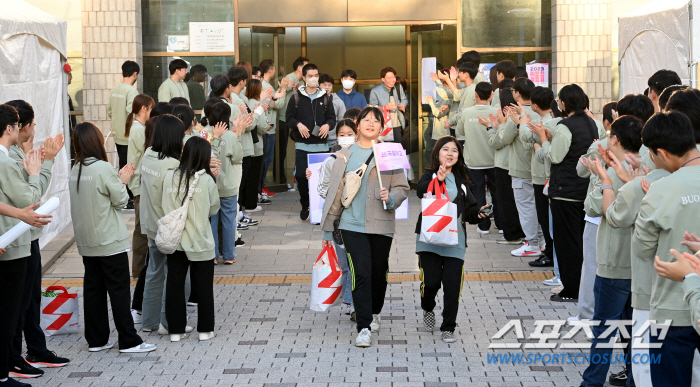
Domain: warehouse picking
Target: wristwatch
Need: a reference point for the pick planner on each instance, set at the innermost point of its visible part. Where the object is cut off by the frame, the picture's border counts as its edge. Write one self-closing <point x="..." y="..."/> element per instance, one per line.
<point x="603" y="188"/>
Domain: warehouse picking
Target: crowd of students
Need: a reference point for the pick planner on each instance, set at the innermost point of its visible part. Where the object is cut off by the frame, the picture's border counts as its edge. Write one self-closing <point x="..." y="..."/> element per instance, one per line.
<point x="611" y="203"/>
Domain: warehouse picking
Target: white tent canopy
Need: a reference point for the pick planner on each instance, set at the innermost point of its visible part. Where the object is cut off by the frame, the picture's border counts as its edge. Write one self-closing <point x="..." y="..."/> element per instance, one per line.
<point x="658" y="35"/>
<point x="32" y="55"/>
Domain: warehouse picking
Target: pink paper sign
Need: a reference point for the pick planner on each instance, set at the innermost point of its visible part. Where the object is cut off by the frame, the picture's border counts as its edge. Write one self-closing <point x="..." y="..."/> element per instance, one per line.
<point x="391" y="156"/>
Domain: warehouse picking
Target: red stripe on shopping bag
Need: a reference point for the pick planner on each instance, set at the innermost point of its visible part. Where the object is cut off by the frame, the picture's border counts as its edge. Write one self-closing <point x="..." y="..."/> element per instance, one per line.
<point x="60" y="322"/>
<point x="53" y="306"/>
<point x="330" y="280"/>
<point x="444" y="219"/>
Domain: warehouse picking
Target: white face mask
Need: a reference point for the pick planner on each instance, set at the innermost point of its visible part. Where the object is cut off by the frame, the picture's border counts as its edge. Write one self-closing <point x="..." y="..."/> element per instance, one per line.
<point x="312" y="82"/>
<point x="346" y="141"/>
<point x="348" y="84"/>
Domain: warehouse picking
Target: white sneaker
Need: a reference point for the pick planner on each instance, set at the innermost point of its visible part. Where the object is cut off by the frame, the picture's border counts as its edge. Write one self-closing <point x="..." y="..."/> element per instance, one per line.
<point x="526" y="251"/>
<point x="109" y="345"/>
<point x="448" y="337"/>
<point x="557" y="289"/>
<point x="203" y="336"/>
<point x="500" y="231"/>
<point x="290" y="188"/>
<point x="364" y="338"/>
<point x="554" y="281"/>
<point x="482" y="232"/>
<point x="191" y="303"/>
<point x="572" y="320"/>
<point x="141" y="348"/>
<point x="163" y="331"/>
<point x="177" y="337"/>
<point x="374" y="325"/>
<point x="256" y="209"/>
<point x="136" y="316"/>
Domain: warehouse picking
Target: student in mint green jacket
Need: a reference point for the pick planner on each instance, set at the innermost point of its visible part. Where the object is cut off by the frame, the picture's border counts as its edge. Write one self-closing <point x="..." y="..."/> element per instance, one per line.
<point x="196" y="249"/>
<point x="257" y="161"/>
<point x="28" y="324"/>
<point x="668" y="210"/>
<point x="97" y="195"/>
<point x="136" y="134"/>
<point x="163" y="155"/>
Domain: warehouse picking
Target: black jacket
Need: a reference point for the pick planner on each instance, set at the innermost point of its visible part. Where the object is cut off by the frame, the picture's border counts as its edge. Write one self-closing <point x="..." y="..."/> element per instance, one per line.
<point x="465" y="200"/>
<point x="302" y="109"/>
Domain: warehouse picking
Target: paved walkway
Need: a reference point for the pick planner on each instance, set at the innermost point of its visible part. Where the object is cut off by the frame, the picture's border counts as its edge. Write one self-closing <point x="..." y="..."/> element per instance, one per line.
<point x="267" y="336"/>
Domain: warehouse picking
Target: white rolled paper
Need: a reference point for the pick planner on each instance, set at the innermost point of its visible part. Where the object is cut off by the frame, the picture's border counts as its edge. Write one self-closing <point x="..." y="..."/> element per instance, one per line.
<point x="15" y="232"/>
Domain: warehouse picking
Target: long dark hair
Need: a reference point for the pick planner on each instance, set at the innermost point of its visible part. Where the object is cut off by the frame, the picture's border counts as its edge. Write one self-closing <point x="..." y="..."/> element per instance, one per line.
<point x="150" y="124"/>
<point x="196" y="156"/>
<point x="460" y="167"/>
<point x="506" y="98"/>
<point x="206" y="109"/>
<point x="168" y="134"/>
<point x="88" y="142"/>
<point x="140" y="101"/>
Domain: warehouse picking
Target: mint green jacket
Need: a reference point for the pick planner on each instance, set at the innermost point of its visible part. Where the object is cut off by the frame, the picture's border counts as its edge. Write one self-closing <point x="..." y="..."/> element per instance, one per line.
<point x="96" y="209"/>
<point x="17" y="154"/>
<point x="152" y="174"/>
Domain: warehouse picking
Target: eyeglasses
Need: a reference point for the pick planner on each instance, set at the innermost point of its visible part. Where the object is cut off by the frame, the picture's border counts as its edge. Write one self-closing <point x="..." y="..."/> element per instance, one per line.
<point x="371" y="122"/>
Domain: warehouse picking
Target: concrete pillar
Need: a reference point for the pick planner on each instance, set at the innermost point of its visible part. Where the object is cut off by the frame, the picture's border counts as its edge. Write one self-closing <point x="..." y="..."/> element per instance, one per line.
<point x="581" y="48"/>
<point x="111" y="35"/>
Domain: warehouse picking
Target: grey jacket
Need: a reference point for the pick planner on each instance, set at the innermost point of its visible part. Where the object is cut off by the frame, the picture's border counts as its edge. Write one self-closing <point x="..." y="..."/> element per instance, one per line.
<point x="377" y="219"/>
<point x="380" y="97"/>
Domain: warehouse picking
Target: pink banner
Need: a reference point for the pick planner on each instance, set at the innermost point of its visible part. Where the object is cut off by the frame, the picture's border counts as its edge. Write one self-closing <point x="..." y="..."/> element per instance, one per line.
<point x="391" y="156"/>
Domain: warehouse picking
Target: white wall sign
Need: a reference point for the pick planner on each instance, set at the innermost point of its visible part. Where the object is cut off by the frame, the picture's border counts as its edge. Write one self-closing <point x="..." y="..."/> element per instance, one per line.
<point x="178" y="43"/>
<point x="212" y="37"/>
<point x="538" y="73"/>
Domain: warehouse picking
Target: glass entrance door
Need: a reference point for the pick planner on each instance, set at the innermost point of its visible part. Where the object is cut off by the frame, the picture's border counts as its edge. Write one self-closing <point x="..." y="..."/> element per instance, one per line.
<point x="437" y="41"/>
<point x="259" y="43"/>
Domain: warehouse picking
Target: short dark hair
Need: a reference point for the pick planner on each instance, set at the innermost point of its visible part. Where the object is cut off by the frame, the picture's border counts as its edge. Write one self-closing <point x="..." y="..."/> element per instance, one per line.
<point x="542" y="97"/>
<point x="507" y="68"/>
<point x="685" y="101"/>
<point x="386" y="70"/>
<point x="220" y="83"/>
<point x="25" y="111"/>
<point x="663" y="79"/>
<point x="348" y="73"/>
<point x="483" y="90"/>
<point x="176" y="64"/>
<point x="168" y="134"/>
<point x="236" y="75"/>
<point x="635" y="105"/>
<point x="666" y="95"/>
<point x="469" y="68"/>
<point x="185" y="114"/>
<point x="255" y="70"/>
<point x="179" y="101"/>
<point x="521" y="72"/>
<point x="505" y="84"/>
<point x="8" y="116"/>
<point x="307" y="67"/>
<point x="574" y="99"/>
<point x="298" y="62"/>
<point x="628" y="131"/>
<point x="198" y="68"/>
<point x="129" y="68"/>
<point x="220" y="112"/>
<point x="608" y="111"/>
<point x="266" y="65"/>
<point x="670" y="131"/>
<point x="470" y="56"/>
<point x="523" y="86"/>
<point x="161" y="108"/>
<point x="324" y="78"/>
<point x="352" y="113"/>
<point x="206" y="109"/>
<point x="369" y="109"/>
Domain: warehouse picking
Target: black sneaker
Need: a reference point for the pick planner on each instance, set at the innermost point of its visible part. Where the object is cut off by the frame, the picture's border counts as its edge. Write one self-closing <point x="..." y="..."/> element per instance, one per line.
<point x="619" y="379"/>
<point x="248" y="221"/>
<point x="25" y="370"/>
<point x="264" y="200"/>
<point x="239" y="242"/>
<point x="241" y="226"/>
<point x="304" y="214"/>
<point x="48" y="359"/>
<point x="129" y="205"/>
<point x="14" y="383"/>
<point x="543" y="261"/>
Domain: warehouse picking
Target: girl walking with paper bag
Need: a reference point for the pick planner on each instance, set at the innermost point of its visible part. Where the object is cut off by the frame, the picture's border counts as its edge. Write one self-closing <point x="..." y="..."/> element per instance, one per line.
<point x="354" y="208"/>
<point x="441" y="259"/>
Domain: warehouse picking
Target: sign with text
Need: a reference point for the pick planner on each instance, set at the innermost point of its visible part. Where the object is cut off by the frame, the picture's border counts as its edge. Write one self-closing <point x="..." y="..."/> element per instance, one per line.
<point x="178" y="43"/>
<point x="538" y="73"/>
<point x="390" y="156"/>
<point x="315" y="200"/>
<point x="212" y="37"/>
<point x="485" y="69"/>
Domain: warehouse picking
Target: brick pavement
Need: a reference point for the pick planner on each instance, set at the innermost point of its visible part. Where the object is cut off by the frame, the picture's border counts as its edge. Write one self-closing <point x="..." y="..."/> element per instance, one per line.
<point x="266" y="336"/>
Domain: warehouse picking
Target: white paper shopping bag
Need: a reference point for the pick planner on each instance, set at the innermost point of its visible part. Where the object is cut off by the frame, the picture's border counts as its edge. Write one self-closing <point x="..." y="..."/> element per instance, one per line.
<point x="326" y="281"/>
<point x="439" y="223"/>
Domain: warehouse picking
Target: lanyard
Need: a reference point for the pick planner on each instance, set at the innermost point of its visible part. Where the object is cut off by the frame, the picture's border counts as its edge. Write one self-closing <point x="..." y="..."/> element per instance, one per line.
<point x="686" y="163"/>
<point x="182" y="92"/>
